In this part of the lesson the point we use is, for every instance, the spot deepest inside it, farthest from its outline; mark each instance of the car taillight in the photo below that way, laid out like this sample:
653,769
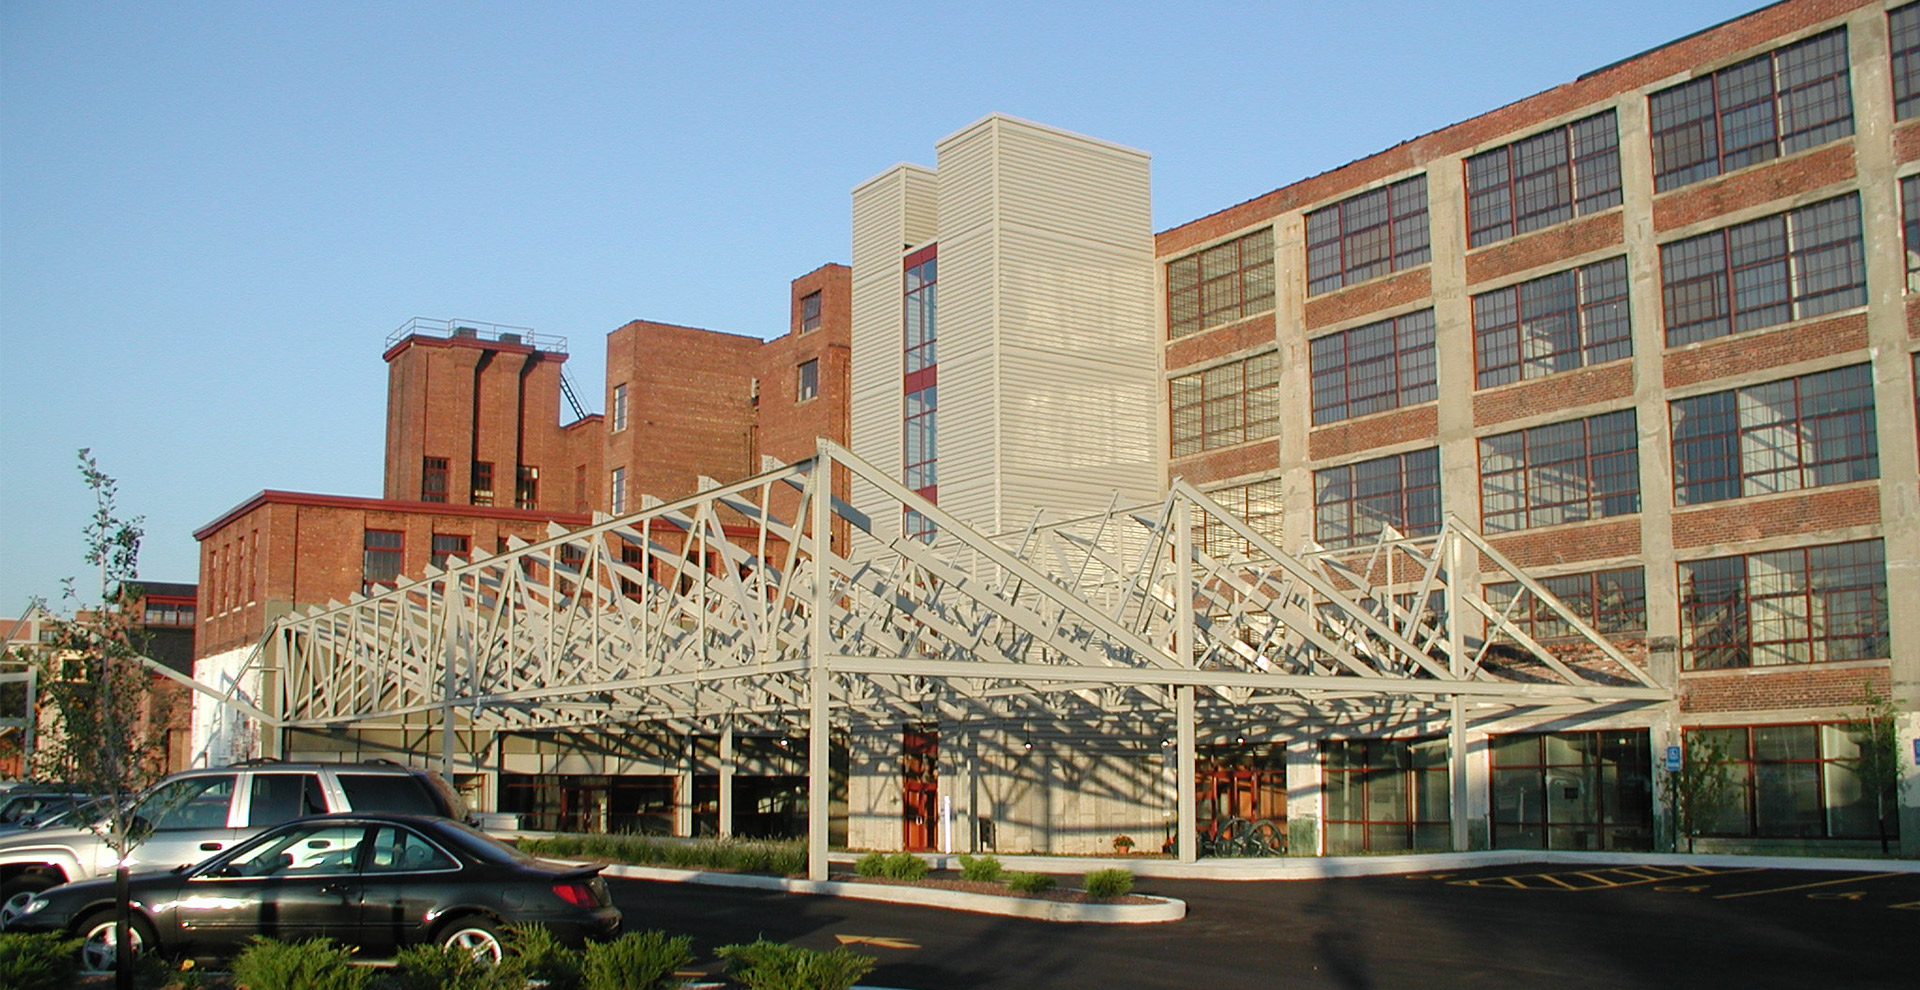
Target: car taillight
575,892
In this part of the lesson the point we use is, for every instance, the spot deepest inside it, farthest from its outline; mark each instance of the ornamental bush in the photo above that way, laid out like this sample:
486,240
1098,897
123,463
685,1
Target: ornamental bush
535,957
906,866
986,869
1030,883
1103,884
315,964
873,864
765,965
637,961
38,962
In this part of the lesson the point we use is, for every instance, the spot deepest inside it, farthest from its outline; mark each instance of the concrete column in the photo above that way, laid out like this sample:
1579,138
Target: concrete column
683,789
1303,797
726,782
819,782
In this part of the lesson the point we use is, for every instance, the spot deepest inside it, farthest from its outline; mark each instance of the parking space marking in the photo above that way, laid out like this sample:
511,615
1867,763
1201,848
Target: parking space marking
1807,886
1625,876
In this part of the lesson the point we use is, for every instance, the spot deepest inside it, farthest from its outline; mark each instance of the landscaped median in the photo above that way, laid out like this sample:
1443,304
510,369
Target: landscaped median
983,887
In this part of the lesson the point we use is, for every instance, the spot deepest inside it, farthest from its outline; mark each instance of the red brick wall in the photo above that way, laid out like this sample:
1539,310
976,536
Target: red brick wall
1913,317
1573,389
1567,240
1385,293
1777,515
1351,436
784,426
1682,57
1752,187
1758,350
1607,538
1800,686
1232,462
1906,141
689,407
1209,344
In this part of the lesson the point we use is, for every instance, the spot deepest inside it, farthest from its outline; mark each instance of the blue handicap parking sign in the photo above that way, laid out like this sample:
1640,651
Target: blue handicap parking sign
1673,758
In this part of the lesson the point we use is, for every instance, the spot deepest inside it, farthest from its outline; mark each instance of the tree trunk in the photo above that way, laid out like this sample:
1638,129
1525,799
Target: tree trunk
122,931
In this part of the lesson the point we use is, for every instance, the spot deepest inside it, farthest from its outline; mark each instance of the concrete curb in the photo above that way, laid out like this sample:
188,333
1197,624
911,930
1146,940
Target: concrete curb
1319,867
1161,909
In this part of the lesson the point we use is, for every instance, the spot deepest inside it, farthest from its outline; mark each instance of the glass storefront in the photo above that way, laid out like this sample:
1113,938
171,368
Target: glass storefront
1573,790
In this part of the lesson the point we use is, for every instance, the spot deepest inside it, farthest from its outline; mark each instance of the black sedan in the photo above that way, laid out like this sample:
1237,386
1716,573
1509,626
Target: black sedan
378,881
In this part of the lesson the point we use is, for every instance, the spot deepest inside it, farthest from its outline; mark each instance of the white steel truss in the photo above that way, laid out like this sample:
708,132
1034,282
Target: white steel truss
726,611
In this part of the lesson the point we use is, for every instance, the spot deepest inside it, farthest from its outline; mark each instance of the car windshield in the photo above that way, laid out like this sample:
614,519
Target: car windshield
482,846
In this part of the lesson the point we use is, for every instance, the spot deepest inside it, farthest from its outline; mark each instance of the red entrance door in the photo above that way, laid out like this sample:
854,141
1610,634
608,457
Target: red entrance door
919,786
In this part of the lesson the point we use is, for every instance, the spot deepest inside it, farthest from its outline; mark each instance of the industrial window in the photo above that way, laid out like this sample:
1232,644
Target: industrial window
1775,104
168,614
1773,270
433,479
1373,368
1780,436
526,487
1540,181
447,545
1910,225
1805,605
1903,26
809,379
635,557
619,408
483,482
810,312
1380,231
380,560
1790,781
618,497
921,314
1220,284
1564,321
1560,473
1257,504
1573,790
922,436
1386,795
1609,601
1227,405
1353,501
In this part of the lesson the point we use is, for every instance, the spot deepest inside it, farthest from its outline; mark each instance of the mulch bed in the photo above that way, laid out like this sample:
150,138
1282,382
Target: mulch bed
995,889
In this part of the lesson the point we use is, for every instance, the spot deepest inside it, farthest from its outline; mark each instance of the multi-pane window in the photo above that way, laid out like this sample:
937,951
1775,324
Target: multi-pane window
1373,368
380,560
1564,321
1560,473
1540,181
1773,270
1573,790
1257,504
1770,105
808,378
1220,284
1780,436
1804,605
1351,502
526,487
810,312
1790,781
1903,27
446,545
483,482
1385,795
617,492
921,436
1910,224
433,479
619,408
1609,601
1223,406
1379,231
921,306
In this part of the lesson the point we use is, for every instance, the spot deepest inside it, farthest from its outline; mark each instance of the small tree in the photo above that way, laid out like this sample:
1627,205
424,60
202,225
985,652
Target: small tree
1700,790
98,692
1878,765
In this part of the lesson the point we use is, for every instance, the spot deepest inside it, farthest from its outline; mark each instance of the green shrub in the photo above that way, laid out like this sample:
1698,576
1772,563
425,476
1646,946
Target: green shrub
637,961
784,858
906,866
38,962
1030,883
535,956
315,964
766,965
1103,884
438,967
986,869
873,864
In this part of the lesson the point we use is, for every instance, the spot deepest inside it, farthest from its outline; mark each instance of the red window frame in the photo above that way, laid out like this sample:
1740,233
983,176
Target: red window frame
1374,368
383,557
1543,179
1221,284
1359,781
1751,104
1371,234
1557,323
1824,603
1557,479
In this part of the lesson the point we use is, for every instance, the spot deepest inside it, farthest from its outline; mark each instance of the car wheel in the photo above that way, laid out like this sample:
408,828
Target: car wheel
97,943
15,893
476,935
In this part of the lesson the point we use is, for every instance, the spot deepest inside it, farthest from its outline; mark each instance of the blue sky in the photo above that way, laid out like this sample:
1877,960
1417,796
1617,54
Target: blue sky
212,214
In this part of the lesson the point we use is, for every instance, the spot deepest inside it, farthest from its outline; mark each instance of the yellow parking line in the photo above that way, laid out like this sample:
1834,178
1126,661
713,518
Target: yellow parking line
1807,886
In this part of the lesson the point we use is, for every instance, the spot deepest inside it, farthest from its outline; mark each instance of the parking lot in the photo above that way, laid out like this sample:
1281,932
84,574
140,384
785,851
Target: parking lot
1613,927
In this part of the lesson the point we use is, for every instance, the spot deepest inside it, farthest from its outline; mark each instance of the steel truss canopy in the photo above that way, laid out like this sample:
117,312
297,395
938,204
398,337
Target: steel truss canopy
728,609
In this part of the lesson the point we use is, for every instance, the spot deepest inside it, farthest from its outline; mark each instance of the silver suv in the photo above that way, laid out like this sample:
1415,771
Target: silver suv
194,814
